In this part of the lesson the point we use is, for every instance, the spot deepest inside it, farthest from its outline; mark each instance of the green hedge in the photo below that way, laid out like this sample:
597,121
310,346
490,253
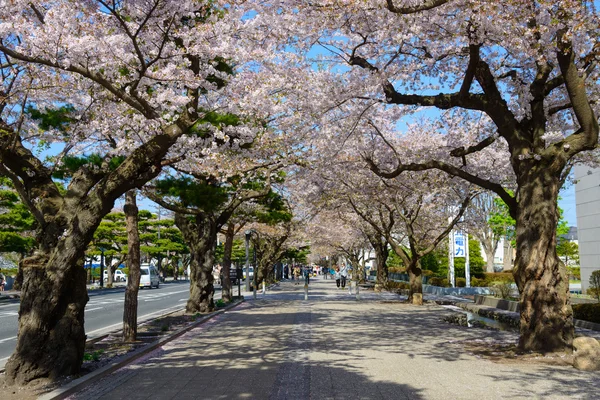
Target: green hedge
587,312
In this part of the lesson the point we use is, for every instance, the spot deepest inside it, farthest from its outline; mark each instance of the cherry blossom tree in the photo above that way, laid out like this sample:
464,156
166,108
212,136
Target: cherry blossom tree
130,85
508,84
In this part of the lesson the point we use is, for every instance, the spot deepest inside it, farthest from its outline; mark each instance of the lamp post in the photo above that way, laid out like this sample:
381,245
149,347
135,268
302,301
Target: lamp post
101,267
248,233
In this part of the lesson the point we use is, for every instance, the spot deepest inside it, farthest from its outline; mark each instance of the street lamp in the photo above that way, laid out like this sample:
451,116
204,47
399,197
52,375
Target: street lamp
248,234
101,267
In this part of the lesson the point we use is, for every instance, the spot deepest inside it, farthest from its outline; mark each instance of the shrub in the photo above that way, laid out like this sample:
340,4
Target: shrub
595,283
461,282
587,312
501,289
476,282
593,292
491,277
396,270
435,281
391,285
574,273
427,272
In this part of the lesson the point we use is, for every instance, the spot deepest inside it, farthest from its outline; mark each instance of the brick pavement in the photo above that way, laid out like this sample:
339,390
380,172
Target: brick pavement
334,347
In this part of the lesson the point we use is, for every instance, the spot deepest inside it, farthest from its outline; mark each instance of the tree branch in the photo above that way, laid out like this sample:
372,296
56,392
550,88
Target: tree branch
424,6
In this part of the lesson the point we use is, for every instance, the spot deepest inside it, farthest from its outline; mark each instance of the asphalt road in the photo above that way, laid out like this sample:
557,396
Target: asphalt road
104,311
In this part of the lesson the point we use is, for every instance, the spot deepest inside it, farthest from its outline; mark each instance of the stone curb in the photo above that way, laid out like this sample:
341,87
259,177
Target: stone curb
80,383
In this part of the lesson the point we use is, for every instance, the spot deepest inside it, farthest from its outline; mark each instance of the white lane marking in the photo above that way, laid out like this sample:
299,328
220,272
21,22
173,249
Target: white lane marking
141,318
5,358
8,313
8,339
94,309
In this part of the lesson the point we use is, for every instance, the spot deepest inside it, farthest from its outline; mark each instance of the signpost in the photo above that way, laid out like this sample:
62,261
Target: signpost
235,274
461,250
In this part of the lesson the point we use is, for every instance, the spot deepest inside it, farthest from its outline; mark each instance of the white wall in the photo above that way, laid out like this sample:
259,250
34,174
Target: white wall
587,198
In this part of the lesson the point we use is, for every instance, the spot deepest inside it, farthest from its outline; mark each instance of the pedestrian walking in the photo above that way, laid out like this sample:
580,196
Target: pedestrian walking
2,281
297,275
337,276
344,275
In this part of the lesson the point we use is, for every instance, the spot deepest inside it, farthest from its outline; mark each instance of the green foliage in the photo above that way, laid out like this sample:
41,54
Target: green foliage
567,251
207,195
93,356
476,262
274,210
430,262
595,283
297,254
394,261
461,282
437,281
574,273
17,224
71,164
58,118
587,312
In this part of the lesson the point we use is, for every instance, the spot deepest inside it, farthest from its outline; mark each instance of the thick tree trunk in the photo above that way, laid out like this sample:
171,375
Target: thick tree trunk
542,279
51,338
201,237
133,263
415,275
227,248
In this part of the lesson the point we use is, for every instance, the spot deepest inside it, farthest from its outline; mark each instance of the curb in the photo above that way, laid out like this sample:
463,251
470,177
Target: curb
80,383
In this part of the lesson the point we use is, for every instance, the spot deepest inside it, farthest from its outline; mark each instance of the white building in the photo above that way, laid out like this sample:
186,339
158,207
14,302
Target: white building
587,198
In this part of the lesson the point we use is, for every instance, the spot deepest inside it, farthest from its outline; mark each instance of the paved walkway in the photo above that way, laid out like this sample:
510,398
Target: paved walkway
334,347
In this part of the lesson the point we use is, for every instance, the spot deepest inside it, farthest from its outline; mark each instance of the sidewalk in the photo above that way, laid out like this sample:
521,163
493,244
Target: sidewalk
333,347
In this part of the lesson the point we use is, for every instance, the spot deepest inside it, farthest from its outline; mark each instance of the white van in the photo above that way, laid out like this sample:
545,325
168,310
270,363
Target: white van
149,276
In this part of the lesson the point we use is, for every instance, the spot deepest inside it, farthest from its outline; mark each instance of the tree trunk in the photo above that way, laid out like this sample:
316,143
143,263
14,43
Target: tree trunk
381,256
227,248
415,275
109,269
133,263
542,279
201,237
51,338
489,249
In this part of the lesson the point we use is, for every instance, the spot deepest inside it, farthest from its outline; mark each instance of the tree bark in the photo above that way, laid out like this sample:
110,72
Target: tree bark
489,255
380,247
130,307
227,248
542,279
51,338
415,275
109,274
200,234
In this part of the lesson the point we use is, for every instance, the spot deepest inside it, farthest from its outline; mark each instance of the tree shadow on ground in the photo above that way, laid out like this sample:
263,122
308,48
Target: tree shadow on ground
279,347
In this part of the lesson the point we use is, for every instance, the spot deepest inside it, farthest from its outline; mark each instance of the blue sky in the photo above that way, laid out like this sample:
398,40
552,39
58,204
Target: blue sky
567,203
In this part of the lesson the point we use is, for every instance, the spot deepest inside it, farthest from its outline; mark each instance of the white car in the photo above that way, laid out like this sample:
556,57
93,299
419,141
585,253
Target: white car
149,276
118,276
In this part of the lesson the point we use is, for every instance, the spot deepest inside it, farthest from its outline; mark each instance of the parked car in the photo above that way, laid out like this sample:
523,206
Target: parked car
118,276
149,276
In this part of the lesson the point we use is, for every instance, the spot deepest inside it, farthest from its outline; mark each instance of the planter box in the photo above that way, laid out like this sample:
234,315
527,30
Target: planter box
456,291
